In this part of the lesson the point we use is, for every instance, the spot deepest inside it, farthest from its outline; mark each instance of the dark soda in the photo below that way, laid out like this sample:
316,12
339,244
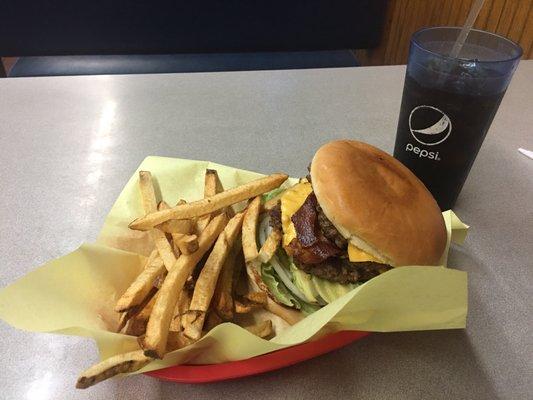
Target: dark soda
449,103
440,133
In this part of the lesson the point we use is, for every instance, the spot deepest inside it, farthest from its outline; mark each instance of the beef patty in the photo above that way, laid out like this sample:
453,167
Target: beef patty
342,270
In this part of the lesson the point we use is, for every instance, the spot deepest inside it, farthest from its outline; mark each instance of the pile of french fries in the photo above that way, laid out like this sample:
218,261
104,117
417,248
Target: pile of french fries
194,278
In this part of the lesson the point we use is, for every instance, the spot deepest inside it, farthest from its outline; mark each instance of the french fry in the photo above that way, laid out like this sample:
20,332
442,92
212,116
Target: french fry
165,226
133,311
257,297
223,298
146,187
181,309
141,286
187,244
211,184
176,248
182,241
245,308
122,321
177,340
215,186
215,203
210,189
149,261
150,205
155,340
205,285
291,316
249,245
262,329
270,246
163,246
250,302
249,230
137,324
174,225
200,223
121,363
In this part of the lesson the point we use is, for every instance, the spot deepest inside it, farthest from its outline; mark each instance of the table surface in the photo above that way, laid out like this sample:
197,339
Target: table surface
70,143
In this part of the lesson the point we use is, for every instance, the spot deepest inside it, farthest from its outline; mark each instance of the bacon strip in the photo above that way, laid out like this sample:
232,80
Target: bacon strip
310,245
305,221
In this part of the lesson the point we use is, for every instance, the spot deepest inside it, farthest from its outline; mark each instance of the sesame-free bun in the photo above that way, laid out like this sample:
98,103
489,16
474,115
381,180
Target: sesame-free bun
378,204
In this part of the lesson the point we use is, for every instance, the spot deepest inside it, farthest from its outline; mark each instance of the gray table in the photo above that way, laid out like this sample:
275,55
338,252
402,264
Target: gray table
69,144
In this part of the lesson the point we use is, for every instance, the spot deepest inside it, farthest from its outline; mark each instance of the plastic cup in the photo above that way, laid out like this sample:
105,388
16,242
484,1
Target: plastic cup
449,103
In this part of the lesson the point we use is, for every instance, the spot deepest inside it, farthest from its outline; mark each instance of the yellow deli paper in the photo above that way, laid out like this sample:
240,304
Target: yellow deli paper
75,294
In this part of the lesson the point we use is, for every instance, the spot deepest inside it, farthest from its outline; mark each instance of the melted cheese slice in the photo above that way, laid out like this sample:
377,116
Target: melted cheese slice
355,254
291,201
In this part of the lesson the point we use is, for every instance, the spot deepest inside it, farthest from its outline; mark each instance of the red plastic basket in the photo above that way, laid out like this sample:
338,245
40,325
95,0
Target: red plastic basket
257,365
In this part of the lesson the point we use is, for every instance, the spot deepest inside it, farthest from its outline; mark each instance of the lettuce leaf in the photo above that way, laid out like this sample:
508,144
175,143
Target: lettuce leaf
308,308
281,293
272,194
277,288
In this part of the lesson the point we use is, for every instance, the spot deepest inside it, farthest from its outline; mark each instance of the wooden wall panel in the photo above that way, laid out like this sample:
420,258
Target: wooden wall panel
510,18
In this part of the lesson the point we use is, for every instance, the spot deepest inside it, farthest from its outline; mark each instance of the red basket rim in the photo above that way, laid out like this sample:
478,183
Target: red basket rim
256,365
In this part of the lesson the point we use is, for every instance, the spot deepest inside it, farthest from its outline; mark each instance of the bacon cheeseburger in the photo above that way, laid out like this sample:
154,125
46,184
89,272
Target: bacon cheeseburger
359,213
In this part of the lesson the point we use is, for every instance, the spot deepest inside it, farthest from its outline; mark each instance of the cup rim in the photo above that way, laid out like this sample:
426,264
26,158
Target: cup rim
414,41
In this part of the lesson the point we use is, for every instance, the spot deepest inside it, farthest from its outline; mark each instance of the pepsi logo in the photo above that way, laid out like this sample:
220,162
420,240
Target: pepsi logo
429,125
